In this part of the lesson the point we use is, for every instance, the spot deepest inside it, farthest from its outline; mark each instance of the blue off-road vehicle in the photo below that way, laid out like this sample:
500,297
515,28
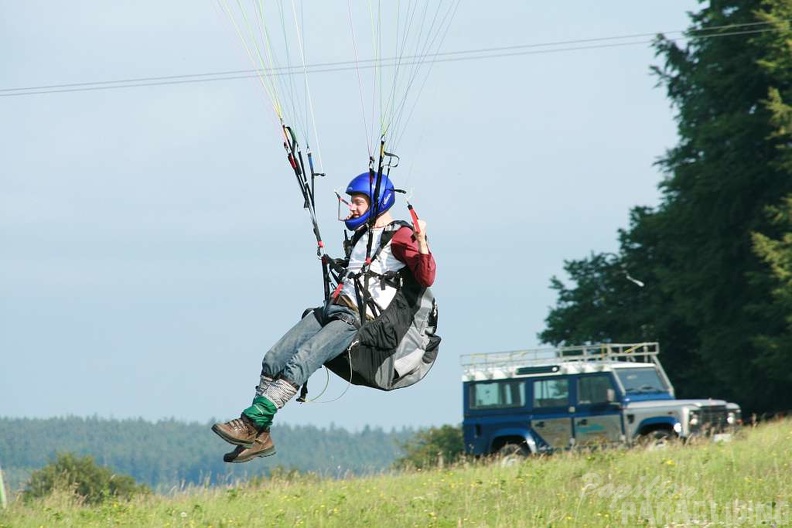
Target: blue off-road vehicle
538,401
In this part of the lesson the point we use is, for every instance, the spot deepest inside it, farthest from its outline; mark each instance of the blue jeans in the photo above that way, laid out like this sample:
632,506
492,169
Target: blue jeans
319,337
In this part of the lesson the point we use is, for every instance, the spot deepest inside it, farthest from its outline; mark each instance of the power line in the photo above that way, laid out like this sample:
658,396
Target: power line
451,56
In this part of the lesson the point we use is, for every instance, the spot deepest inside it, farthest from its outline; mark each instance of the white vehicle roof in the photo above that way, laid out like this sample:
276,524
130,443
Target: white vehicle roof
567,360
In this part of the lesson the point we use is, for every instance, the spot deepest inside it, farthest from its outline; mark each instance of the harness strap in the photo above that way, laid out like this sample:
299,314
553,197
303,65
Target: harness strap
295,158
303,392
363,299
390,278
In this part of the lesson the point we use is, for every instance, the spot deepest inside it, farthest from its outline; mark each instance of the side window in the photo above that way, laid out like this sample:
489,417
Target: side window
593,390
550,393
497,394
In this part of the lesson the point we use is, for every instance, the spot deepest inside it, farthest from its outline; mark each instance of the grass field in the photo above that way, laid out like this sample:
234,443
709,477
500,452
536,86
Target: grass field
745,482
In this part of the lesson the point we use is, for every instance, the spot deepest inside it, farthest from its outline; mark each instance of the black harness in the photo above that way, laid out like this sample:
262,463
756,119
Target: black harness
361,279
399,346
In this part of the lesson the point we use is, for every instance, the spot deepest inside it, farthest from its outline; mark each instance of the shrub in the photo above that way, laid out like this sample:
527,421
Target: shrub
92,484
432,447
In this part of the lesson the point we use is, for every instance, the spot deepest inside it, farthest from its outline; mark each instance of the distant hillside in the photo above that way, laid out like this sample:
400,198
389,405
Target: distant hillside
168,454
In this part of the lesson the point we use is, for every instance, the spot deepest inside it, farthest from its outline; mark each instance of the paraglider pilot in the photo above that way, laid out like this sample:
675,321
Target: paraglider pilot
326,332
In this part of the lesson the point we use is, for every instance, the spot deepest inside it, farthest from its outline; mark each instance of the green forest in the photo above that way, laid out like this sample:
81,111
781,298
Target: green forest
171,454
713,259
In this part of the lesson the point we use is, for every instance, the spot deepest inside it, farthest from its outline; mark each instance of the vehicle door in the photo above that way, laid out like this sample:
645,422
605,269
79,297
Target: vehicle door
598,419
493,408
551,419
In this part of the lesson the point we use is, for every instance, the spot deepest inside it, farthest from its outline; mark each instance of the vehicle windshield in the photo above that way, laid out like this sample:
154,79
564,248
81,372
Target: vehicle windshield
641,380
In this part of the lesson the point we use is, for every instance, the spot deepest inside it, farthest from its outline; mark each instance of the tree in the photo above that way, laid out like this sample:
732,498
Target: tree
92,484
777,254
708,293
432,447
775,246
604,303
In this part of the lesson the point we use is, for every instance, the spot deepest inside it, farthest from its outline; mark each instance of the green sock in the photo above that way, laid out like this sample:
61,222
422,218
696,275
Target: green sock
261,412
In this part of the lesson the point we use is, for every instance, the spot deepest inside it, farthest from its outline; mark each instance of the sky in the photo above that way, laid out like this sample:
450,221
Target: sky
153,243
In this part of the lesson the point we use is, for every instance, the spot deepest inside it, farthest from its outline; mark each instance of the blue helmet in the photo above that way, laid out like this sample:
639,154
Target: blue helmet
365,184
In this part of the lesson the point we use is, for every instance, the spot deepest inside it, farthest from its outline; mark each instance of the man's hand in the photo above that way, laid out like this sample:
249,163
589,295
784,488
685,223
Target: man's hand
419,232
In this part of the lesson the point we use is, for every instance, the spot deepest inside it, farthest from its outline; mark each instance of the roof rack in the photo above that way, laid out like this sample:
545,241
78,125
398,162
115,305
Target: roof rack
489,362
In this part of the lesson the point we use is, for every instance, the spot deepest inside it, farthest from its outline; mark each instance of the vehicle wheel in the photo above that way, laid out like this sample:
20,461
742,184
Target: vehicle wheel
513,454
657,439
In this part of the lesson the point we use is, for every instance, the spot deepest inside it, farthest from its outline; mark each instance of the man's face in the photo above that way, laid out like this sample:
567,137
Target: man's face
358,205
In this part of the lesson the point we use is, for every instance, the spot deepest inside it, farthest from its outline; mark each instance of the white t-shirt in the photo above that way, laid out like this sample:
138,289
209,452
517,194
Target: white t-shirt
384,262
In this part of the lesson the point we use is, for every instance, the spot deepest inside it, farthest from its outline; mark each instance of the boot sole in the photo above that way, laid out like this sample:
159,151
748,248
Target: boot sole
231,459
230,439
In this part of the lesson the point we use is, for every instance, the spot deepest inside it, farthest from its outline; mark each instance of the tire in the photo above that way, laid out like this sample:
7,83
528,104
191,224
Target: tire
513,454
657,439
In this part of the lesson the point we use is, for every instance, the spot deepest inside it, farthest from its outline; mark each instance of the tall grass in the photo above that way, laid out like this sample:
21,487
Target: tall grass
746,482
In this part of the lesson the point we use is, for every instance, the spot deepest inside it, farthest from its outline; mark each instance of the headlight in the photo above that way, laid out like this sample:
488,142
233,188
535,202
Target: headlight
731,418
694,418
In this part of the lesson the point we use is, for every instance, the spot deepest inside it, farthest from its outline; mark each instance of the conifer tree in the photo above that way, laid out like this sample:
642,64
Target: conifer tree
777,253
708,293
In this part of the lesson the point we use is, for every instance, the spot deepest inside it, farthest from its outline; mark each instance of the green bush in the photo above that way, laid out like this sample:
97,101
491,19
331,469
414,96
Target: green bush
432,447
81,476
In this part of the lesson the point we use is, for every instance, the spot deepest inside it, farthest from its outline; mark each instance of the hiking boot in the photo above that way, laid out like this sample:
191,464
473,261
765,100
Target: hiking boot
239,431
263,446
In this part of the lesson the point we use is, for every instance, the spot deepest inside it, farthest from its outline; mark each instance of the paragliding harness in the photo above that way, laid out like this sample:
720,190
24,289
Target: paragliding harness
399,345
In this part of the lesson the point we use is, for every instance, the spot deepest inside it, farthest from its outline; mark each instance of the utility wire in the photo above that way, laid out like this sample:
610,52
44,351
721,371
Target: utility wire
451,56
